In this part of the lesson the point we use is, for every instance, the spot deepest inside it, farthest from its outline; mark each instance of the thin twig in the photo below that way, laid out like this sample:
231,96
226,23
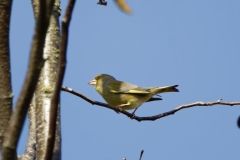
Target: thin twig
102,2
141,155
61,70
238,122
150,118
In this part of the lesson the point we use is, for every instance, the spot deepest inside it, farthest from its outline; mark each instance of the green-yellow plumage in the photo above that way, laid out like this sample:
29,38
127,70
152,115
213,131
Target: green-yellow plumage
125,95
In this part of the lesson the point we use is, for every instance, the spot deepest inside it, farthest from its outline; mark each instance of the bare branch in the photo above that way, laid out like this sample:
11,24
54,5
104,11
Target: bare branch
238,122
46,83
102,2
151,118
30,152
36,62
141,155
6,95
61,70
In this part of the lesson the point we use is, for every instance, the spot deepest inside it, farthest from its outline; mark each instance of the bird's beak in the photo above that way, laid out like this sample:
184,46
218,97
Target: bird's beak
93,82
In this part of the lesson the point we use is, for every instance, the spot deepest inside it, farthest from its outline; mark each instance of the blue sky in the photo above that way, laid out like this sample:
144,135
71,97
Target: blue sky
194,44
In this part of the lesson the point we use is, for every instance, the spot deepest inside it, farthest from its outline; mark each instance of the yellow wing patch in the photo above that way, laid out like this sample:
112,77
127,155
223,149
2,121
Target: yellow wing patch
135,91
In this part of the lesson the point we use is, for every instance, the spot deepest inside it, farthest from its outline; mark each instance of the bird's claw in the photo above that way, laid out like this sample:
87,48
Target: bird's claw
119,109
132,116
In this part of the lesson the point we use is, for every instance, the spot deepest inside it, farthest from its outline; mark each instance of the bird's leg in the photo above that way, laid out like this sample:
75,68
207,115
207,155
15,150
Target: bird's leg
120,107
133,113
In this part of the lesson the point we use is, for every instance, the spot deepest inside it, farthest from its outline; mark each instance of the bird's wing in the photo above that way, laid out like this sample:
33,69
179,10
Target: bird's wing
124,87
154,99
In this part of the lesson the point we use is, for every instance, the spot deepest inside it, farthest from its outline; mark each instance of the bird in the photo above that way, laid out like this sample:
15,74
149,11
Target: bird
124,95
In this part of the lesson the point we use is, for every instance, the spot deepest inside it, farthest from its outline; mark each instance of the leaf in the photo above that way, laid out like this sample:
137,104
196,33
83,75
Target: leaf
123,6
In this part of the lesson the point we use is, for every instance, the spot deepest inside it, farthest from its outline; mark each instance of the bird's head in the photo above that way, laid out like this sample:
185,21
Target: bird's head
100,80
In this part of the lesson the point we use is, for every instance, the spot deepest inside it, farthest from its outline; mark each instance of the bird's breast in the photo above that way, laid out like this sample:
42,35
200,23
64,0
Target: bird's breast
133,100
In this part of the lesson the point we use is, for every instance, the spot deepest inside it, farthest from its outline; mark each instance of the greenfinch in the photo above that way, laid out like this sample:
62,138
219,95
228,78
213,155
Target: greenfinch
124,95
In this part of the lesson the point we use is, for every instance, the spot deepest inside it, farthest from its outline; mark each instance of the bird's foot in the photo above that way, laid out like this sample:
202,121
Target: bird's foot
119,108
132,116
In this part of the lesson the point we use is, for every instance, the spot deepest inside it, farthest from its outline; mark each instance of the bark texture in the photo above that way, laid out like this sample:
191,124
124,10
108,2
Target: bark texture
36,62
6,94
45,87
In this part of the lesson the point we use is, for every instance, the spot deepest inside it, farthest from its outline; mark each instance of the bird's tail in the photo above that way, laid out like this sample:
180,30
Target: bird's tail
164,89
